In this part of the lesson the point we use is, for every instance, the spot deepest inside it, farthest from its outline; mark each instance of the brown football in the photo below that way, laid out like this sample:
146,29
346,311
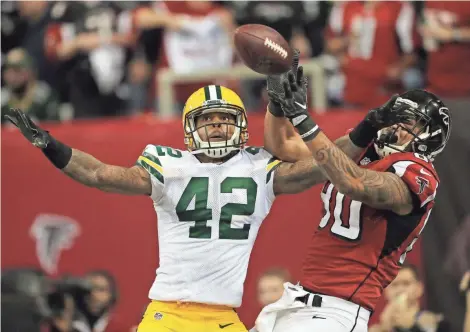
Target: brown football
262,49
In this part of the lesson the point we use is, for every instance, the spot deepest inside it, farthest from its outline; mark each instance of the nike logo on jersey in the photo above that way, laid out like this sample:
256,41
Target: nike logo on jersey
301,105
318,317
422,171
225,325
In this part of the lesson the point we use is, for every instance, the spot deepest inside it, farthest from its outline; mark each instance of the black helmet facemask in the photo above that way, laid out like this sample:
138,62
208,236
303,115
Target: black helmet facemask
418,127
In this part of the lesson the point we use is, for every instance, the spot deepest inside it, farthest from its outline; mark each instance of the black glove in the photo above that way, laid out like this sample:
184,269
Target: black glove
378,118
274,84
58,153
387,115
294,104
37,136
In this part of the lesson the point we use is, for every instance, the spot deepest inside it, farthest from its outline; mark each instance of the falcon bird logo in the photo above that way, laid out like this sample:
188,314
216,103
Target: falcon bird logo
53,233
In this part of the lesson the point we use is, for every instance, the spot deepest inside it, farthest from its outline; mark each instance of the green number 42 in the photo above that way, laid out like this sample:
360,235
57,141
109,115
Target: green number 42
198,190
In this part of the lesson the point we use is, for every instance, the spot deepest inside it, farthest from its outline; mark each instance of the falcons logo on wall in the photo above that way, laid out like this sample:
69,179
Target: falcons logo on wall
53,233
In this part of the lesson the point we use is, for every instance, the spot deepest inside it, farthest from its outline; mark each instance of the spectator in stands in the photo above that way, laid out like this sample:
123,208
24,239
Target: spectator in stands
13,26
403,312
95,47
94,311
286,17
23,90
23,307
271,285
465,288
37,15
139,73
197,37
446,38
363,36
315,19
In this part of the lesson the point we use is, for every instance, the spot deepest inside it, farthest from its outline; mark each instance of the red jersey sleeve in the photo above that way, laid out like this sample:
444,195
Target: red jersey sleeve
419,176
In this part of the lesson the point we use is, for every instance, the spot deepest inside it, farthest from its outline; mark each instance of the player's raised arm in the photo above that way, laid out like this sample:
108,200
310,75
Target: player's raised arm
82,166
298,176
377,189
382,190
280,137
301,171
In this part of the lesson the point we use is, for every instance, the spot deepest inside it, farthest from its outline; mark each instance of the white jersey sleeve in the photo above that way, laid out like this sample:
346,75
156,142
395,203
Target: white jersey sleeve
151,162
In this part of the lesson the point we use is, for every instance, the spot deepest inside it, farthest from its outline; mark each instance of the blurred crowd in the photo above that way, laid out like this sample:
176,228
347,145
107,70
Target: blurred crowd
81,304
34,302
84,59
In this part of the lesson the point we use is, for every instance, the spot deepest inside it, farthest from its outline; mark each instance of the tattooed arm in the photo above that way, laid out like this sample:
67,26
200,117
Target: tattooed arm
292,178
381,190
91,172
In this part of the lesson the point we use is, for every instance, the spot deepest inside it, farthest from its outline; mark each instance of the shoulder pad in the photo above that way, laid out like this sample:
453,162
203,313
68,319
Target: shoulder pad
419,176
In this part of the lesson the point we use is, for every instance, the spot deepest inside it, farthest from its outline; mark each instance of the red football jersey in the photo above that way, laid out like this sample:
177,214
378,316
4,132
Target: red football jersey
448,65
357,250
377,36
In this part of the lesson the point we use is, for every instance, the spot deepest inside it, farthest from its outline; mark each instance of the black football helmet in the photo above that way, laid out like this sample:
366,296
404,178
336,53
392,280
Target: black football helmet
430,125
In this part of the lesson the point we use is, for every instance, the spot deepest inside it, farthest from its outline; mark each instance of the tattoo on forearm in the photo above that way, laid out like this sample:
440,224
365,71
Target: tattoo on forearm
348,147
302,175
378,189
292,178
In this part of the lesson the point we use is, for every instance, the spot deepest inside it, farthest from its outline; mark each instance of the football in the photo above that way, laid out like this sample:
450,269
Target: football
262,49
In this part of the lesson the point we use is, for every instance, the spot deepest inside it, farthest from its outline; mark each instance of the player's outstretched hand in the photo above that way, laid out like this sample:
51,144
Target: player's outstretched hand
33,133
387,114
274,85
293,100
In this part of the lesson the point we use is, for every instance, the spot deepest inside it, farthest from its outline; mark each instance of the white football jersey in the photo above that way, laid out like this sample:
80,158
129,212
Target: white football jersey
208,219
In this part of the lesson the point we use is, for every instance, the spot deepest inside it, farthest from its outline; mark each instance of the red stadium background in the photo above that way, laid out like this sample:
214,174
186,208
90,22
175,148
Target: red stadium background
119,233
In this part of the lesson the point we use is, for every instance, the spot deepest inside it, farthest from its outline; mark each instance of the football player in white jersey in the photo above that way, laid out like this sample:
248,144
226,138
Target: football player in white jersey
210,201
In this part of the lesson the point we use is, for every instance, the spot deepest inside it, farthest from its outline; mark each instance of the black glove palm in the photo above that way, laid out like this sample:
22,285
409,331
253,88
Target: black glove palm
274,85
37,136
293,100
387,115
378,118
293,103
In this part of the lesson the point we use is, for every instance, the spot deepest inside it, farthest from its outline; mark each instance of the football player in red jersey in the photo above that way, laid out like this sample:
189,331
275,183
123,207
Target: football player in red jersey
374,208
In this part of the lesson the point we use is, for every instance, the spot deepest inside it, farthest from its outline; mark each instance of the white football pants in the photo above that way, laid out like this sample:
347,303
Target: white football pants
290,315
